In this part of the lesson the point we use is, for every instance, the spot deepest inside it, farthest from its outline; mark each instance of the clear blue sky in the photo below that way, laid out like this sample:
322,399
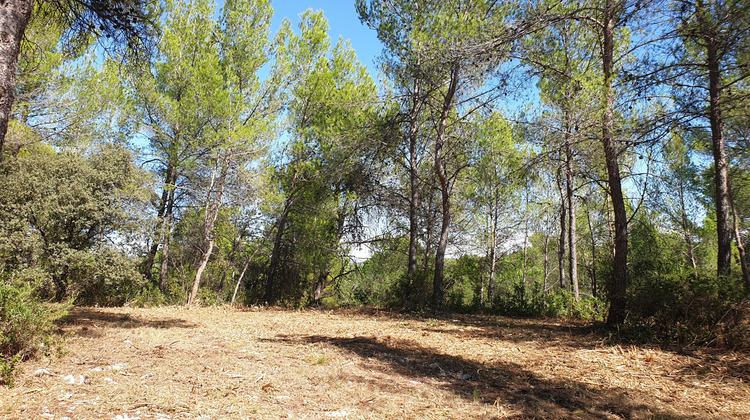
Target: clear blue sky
343,21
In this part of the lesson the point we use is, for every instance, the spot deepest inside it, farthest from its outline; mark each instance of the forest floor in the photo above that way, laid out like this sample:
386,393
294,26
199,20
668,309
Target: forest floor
190,363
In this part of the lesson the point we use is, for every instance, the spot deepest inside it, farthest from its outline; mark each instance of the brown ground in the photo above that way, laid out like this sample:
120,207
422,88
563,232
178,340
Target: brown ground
181,363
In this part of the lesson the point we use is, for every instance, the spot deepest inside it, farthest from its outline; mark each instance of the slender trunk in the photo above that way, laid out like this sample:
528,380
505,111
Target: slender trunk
320,284
686,231
205,255
572,229
160,215
149,266
546,265
723,225
325,273
562,239
239,280
493,256
525,243
14,16
244,269
617,301
212,209
594,290
273,265
166,232
414,190
740,245
437,283
428,238
164,272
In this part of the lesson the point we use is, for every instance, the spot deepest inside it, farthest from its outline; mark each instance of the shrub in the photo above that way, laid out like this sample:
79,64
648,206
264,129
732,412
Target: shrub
25,326
105,277
531,302
7,369
151,295
520,302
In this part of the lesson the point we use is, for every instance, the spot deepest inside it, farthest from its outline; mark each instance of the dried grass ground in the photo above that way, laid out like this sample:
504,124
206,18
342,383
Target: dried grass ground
188,363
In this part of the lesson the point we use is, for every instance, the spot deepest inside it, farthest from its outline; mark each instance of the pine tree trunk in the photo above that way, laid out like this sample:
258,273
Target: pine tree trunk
411,272
740,246
167,232
546,265
572,229
525,244
161,216
493,256
594,291
239,280
205,255
14,16
617,298
164,272
274,264
723,225
686,233
437,283
429,226
563,236
213,206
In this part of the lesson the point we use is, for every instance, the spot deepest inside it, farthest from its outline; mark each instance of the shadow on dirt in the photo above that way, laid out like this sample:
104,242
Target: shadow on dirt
501,383
574,333
88,318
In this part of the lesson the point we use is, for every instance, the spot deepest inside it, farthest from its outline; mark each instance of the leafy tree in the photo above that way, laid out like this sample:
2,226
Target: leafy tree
561,56
442,55
329,161
68,220
123,23
712,61
210,116
495,176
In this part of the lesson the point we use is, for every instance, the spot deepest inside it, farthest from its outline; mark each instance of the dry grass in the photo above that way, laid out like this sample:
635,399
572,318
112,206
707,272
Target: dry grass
181,363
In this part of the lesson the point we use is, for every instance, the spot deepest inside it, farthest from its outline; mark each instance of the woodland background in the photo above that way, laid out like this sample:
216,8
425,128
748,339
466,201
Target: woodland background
524,158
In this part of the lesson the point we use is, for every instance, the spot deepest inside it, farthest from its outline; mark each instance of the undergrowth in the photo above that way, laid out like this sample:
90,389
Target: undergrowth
26,324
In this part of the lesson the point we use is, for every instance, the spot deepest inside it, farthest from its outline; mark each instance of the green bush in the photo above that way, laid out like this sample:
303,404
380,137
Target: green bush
531,302
105,277
562,304
8,369
670,301
25,326
520,302
151,295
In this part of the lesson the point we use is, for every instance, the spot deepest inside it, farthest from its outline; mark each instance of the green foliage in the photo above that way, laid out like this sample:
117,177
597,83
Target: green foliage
62,213
26,322
378,281
670,300
464,282
329,166
562,304
555,304
519,302
102,277
151,295
7,369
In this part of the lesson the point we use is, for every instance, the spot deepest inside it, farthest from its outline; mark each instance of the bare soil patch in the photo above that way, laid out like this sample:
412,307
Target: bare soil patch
189,363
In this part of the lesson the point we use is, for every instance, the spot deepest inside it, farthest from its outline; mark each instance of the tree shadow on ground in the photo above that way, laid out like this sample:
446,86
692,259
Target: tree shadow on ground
500,383
87,318
574,333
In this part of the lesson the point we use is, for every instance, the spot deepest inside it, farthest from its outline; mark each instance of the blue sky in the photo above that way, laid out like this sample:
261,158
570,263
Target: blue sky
343,21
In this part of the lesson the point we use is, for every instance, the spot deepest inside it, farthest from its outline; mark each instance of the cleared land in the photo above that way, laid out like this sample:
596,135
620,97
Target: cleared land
188,363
